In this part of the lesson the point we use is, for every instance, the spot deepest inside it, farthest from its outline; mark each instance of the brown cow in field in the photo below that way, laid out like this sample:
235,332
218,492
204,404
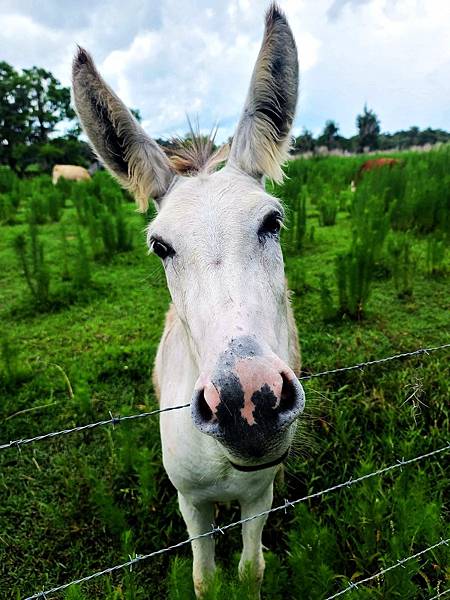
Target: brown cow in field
376,163
72,172
370,165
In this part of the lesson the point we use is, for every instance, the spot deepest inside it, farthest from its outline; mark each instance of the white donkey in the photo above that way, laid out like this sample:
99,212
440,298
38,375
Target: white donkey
230,342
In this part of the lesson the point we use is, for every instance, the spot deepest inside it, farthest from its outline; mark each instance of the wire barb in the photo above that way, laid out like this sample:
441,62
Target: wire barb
286,503
115,420
215,529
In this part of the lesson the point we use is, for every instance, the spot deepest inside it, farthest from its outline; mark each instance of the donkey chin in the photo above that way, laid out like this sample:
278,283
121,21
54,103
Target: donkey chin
249,405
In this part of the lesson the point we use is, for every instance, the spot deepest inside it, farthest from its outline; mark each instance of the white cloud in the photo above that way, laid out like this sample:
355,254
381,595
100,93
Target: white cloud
170,58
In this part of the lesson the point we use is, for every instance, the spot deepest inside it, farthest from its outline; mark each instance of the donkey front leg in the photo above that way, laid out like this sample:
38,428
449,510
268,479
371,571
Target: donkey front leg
199,518
252,560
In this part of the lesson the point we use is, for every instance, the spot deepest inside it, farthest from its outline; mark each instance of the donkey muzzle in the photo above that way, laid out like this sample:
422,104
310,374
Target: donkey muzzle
248,403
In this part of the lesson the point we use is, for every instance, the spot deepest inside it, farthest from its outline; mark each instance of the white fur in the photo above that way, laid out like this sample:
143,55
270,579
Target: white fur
223,282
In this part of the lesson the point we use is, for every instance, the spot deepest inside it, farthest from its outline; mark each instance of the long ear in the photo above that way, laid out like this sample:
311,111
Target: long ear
261,140
133,158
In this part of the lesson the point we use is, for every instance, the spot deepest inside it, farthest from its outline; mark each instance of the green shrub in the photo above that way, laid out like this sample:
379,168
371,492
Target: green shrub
293,235
345,199
297,277
417,191
8,210
9,353
124,236
54,205
95,240
66,189
65,275
81,277
179,580
74,593
111,197
354,278
328,207
8,179
313,555
402,264
326,300
355,269
86,203
108,235
37,209
34,269
435,257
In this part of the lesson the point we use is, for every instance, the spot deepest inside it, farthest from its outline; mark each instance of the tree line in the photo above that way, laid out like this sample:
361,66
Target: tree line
368,137
34,105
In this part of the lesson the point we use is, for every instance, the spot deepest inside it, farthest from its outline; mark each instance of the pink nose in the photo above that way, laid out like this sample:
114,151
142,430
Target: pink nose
255,392
249,401
256,376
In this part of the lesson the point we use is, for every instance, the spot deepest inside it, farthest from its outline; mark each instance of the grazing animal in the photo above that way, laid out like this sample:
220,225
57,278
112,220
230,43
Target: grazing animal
376,163
230,344
370,165
72,172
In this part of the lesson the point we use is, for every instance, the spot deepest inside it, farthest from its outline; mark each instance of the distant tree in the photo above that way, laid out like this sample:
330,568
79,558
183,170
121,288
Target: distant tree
368,126
433,136
414,136
48,102
329,137
304,142
15,126
75,131
32,103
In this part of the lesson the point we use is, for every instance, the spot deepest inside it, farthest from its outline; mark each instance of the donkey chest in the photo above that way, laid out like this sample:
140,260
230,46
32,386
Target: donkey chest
199,470
202,484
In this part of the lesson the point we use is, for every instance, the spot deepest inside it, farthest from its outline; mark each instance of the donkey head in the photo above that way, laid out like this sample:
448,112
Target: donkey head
217,234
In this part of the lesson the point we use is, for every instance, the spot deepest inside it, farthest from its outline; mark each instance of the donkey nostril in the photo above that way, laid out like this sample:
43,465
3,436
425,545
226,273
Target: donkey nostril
203,408
288,399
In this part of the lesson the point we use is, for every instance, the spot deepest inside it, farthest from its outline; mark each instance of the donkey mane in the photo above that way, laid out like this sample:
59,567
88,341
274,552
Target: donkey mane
197,153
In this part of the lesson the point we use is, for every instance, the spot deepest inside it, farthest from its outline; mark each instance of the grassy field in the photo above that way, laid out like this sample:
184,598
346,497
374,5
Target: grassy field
79,339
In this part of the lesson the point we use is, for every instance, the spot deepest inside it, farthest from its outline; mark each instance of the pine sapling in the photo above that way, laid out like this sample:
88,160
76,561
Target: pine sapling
65,275
81,270
326,300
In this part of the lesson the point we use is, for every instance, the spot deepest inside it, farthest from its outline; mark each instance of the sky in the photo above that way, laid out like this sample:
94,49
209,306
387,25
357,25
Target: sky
169,58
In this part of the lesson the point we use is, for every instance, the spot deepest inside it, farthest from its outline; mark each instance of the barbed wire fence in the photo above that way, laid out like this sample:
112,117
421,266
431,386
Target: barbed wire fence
285,506
120,419
400,563
440,595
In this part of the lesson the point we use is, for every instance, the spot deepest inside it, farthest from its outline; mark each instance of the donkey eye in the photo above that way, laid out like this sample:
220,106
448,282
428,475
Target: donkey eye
162,249
271,225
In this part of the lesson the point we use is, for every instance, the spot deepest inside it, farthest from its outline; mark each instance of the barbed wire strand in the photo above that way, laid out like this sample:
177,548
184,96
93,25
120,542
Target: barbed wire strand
354,585
112,421
444,593
377,361
117,420
287,503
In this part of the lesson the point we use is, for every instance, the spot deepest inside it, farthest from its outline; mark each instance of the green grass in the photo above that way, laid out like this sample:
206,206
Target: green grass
86,501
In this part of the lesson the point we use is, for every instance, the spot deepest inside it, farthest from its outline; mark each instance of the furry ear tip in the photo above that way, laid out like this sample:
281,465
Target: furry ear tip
274,15
81,58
